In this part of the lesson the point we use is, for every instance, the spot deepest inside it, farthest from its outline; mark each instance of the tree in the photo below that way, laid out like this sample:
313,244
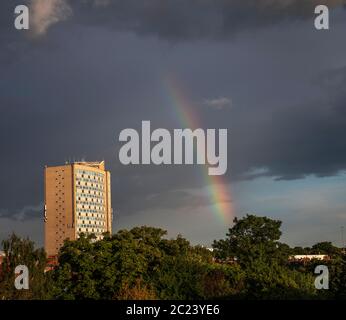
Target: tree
254,243
325,248
250,237
22,252
126,264
140,264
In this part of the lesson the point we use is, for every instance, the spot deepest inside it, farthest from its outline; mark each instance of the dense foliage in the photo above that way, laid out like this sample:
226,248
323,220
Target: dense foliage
141,263
21,252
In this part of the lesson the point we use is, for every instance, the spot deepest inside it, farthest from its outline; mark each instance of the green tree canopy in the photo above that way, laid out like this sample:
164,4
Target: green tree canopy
254,243
249,238
22,252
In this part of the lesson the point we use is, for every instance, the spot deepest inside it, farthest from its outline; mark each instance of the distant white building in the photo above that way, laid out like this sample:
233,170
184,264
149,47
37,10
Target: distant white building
310,257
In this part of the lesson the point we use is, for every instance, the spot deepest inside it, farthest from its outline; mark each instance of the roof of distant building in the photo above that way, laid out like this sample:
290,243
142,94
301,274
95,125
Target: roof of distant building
310,256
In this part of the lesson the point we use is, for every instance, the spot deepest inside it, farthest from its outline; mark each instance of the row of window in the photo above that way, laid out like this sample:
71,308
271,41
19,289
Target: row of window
98,215
89,178
97,185
92,218
89,229
93,173
93,198
88,195
89,174
98,180
88,203
89,188
94,195
79,210
90,206
92,223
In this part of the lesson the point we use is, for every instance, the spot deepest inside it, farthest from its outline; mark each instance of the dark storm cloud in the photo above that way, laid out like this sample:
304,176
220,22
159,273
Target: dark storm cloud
193,19
287,143
66,94
301,140
24,214
163,200
9,38
294,141
170,19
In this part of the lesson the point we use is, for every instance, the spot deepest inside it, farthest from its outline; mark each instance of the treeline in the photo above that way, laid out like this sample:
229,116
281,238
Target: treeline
250,263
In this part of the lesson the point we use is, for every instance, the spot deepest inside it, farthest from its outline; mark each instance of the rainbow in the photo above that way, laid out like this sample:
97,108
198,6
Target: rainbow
217,188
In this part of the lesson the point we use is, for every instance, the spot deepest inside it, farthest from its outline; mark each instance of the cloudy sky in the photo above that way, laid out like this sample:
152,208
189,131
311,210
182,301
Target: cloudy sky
87,69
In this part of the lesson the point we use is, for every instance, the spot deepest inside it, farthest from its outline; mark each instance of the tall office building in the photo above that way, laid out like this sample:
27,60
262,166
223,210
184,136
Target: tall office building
77,200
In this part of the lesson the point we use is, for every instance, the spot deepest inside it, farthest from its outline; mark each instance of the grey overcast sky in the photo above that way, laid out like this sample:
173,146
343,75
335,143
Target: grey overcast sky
87,69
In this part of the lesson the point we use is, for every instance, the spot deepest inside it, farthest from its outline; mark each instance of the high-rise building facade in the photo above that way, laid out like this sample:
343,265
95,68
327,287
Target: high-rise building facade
77,200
